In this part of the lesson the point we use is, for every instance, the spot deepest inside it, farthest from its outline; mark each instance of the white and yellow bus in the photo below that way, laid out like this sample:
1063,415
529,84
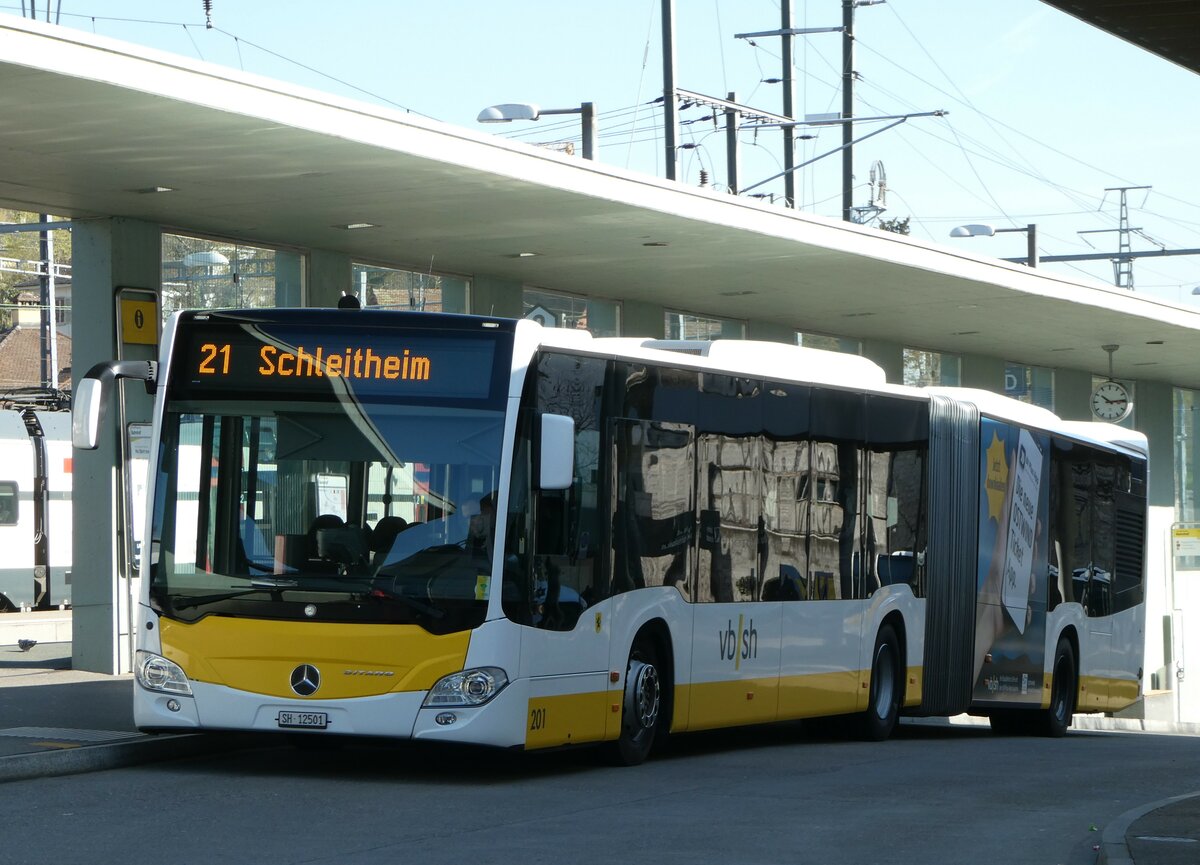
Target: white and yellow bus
484,531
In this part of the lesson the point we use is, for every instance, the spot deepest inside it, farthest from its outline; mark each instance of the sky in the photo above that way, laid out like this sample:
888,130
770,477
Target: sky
1044,112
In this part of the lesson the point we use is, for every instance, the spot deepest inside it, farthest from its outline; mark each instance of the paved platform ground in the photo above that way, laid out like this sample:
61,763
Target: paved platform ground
45,705
58,721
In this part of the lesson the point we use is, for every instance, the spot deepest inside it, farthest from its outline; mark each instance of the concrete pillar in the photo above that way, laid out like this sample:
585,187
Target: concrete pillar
330,274
497,297
289,278
454,294
1154,415
106,254
985,373
1073,394
889,355
771,332
643,319
1153,406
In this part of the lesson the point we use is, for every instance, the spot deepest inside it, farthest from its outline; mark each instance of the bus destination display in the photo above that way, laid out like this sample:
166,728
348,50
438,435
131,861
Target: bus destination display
385,365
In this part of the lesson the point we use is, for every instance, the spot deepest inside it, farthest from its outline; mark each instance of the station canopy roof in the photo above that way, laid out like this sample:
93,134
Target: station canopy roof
1168,28
91,124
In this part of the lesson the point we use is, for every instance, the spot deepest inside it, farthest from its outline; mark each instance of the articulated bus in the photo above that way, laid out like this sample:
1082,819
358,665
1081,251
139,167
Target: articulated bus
477,530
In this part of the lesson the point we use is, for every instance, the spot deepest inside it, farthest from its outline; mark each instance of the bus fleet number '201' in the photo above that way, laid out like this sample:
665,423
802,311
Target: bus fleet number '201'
537,719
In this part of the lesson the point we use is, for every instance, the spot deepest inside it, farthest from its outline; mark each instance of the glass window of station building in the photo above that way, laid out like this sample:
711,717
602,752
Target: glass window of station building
381,287
828,343
555,309
924,368
685,325
206,273
1185,408
1031,384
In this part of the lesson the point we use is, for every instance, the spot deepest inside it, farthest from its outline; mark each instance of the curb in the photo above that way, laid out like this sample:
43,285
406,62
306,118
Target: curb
95,758
1135,725
1113,849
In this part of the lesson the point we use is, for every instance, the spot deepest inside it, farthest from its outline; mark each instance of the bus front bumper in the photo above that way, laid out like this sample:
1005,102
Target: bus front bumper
499,722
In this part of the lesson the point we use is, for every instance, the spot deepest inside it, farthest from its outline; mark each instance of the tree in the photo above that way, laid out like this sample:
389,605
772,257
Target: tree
897,225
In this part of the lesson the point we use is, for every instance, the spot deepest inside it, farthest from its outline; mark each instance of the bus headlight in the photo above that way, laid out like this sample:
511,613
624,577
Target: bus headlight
468,688
156,673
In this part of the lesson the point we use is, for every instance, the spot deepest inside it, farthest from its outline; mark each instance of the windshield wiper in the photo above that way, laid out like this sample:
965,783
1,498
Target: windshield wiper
258,585
274,582
203,600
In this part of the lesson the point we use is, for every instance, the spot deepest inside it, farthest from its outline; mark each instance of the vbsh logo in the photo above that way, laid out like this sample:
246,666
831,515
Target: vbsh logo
740,645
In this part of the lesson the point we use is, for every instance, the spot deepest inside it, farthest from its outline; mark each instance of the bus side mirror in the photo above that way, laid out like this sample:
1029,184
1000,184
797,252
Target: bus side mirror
557,468
92,391
87,411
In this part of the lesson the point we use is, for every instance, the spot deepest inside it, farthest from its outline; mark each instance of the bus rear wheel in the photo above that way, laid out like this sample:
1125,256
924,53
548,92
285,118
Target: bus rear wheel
883,706
642,707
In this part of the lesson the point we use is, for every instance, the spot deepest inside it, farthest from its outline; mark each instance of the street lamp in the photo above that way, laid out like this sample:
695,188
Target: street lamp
977,230
510,111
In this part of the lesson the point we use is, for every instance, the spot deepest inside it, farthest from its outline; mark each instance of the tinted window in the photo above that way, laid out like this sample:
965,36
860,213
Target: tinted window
732,536
654,522
551,581
898,446
835,540
8,503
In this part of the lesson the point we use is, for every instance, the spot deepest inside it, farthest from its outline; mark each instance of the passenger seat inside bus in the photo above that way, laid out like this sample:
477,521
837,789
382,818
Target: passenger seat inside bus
382,537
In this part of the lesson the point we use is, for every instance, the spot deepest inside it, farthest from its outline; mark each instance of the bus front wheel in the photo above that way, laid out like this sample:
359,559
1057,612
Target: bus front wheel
1063,687
642,706
883,706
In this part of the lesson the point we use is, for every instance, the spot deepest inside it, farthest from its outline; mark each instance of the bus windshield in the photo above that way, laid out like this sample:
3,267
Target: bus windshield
323,501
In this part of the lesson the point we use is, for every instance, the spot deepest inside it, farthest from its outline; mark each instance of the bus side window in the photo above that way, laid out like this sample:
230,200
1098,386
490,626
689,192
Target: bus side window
733,548
896,490
837,536
786,492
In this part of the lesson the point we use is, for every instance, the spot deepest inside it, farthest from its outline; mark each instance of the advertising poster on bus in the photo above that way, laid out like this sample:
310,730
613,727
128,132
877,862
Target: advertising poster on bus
1010,622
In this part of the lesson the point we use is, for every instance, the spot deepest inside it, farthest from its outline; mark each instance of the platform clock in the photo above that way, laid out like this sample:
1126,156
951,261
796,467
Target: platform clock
1111,401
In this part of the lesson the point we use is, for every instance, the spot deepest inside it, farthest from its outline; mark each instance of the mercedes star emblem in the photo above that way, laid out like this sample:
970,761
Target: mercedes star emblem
305,680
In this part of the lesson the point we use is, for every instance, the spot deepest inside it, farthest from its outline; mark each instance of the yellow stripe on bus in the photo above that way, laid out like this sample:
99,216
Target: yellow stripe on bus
914,690
354,660
574,718
1122,693
756,701
728,704
1101,694
569,719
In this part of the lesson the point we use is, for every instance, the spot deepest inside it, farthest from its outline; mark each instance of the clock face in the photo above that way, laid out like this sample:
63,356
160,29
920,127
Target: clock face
1110,401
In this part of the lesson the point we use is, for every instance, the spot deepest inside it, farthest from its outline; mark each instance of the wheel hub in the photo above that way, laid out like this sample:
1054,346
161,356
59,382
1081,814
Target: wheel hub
644,695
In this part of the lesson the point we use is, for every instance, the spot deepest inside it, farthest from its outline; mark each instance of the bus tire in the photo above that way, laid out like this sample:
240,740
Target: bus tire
1054,721
642,706
886,692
